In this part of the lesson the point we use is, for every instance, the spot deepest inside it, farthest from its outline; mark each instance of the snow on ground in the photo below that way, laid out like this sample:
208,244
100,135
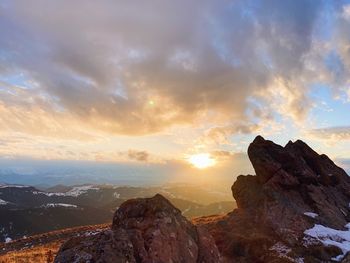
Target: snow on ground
3,202
7,240
186,210
78,190
93,233
59,205
311,214
283,251
75,191
330,237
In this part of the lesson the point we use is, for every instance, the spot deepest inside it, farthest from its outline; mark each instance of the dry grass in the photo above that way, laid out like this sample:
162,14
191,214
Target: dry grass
41,248
39,254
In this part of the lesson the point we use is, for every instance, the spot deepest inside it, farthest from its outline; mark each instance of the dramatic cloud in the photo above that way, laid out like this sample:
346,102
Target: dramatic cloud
128,67
94,79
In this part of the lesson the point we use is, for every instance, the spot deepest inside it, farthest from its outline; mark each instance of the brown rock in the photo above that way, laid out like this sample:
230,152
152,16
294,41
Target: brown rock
145,230
107,246
289,181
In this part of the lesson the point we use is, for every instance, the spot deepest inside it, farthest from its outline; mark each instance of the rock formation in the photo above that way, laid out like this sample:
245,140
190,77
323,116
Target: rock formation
295,209
144,230
293,190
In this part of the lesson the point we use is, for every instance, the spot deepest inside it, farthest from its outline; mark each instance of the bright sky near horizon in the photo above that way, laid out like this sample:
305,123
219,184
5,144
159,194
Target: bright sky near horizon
162,81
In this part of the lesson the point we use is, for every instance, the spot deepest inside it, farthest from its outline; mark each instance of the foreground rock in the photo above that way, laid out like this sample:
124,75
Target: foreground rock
295,209
144,230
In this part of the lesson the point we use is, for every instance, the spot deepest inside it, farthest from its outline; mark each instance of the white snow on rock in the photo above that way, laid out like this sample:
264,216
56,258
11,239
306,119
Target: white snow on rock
3,202
311,214
116,195
8,239
330,237
75,191
59,205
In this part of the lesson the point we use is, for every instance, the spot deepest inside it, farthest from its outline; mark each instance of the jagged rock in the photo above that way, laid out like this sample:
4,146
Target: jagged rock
289,182
144,230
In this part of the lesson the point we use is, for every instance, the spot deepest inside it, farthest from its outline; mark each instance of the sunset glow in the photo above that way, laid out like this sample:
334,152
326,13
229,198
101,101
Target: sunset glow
147,83
202,160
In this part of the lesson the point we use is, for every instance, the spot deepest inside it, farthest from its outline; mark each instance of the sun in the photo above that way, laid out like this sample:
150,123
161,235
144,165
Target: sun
201,160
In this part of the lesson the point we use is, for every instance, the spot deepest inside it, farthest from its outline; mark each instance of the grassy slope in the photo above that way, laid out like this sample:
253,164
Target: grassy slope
41,248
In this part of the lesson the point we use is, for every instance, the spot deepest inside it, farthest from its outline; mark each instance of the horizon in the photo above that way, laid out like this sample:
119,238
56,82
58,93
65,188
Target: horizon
31,172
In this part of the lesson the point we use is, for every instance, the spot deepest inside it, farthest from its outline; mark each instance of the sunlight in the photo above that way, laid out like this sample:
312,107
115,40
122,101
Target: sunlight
201,160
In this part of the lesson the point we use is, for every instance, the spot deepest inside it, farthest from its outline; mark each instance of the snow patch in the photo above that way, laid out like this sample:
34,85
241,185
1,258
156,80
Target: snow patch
186,210
3,202
311,214
93,232
8,239
75,191
330,237
59,205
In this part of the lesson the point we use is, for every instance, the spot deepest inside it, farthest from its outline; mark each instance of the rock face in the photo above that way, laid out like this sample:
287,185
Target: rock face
144,230
294,189
295,209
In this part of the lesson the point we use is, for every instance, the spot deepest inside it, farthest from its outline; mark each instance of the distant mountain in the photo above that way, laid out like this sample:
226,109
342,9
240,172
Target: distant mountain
26,210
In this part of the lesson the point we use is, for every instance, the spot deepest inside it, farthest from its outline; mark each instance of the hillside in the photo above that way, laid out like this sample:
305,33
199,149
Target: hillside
43,247
26,211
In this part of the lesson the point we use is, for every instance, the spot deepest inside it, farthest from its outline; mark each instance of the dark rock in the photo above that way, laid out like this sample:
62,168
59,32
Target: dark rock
144,230
289,181
107,246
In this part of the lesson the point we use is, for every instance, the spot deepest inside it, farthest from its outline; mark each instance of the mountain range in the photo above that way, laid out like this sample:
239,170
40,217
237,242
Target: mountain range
26,210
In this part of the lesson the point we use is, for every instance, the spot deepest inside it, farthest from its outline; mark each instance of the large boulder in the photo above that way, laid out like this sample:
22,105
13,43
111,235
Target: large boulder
144,230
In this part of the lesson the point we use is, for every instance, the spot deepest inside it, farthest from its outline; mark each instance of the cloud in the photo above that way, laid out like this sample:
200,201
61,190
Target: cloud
141,156
332,134
221,135
344,163
134,68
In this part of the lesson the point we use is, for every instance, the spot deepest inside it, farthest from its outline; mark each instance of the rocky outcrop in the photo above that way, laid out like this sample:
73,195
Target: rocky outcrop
294,189
295,209
144,230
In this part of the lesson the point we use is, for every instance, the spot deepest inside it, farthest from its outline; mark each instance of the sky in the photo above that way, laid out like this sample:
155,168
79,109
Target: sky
152,83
